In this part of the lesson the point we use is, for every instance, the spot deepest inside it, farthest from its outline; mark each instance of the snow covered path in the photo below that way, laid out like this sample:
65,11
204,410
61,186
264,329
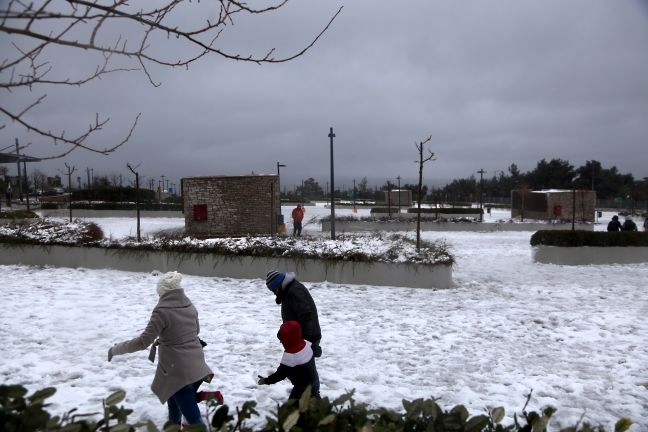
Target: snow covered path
577,335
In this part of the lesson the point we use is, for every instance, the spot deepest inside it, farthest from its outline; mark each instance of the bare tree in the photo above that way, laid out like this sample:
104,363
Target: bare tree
124,37
421,161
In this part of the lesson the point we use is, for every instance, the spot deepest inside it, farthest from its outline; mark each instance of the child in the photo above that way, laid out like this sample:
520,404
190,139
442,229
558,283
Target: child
297,363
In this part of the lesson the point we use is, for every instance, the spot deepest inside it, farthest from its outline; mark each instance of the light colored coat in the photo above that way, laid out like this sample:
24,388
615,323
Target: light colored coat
174,321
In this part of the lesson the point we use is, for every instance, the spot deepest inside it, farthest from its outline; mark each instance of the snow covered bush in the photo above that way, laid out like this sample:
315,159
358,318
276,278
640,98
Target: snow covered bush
370,247
48,232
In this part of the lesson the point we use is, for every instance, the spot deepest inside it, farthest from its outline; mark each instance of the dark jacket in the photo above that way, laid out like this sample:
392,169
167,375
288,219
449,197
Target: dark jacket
300,375
629,225
298,305
614,225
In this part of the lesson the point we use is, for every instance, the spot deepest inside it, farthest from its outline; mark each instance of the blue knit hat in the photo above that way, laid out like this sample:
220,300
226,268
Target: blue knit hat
273,279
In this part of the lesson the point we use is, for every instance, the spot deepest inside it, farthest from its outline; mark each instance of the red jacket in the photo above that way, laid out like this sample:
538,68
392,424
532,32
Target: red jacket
298,214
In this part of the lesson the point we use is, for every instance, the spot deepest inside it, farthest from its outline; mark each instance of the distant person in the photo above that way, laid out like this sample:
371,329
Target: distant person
297,217
297,363
629,224
614,225
645,224
181,367
8,194
297,305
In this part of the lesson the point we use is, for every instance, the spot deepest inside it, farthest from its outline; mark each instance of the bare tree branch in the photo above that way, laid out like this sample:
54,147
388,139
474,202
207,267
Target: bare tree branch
88,26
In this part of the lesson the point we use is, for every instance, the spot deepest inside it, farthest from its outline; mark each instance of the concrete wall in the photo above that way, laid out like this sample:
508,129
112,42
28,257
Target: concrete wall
235,205
589,255
362,226
239,267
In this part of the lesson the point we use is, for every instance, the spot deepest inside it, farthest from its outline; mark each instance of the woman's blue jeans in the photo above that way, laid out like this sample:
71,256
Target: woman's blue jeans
183,403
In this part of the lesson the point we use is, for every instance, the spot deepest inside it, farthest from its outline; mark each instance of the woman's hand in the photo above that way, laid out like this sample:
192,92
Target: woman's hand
261,381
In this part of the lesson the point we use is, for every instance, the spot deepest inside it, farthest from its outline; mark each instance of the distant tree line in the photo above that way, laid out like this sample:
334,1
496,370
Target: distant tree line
608,183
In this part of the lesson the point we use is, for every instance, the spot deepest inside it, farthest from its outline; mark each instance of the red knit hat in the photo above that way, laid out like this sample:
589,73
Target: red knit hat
290,335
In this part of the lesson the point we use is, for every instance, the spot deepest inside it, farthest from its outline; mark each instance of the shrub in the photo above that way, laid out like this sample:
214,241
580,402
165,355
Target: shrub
18,214
446,210
20,413
91,232
394,209
49,206
126,206
578,238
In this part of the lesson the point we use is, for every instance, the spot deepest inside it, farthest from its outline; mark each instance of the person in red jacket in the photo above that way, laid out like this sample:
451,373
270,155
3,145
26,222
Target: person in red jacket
297,217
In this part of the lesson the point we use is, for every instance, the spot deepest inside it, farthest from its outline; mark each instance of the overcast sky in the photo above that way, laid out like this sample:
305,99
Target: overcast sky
493,82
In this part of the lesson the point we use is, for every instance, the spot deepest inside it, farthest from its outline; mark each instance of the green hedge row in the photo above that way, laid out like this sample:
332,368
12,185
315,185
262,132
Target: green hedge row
116,206
447,210
589,238
19,412
18,214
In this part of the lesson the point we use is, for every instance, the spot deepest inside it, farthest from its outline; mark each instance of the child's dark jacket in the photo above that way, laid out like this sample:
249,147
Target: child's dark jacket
298,367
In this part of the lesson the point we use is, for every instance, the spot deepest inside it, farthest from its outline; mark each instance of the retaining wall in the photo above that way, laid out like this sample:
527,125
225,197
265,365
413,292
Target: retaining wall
589,255
409,216
353,226
239,267
93,214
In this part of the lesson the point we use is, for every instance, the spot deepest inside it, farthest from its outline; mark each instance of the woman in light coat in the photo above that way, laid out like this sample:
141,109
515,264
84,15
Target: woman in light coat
181,367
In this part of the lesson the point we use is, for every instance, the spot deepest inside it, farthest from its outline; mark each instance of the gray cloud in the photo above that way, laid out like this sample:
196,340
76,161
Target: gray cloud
494,83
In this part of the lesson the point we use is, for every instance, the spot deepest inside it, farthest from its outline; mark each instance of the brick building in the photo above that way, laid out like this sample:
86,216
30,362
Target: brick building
554,204
395,197
231,205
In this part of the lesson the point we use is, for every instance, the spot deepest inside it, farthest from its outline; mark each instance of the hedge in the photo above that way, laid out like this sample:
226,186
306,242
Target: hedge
18,214
579,238
19,412
126,206
446,210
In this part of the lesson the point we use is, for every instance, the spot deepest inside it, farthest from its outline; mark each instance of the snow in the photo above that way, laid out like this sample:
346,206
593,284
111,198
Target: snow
576,335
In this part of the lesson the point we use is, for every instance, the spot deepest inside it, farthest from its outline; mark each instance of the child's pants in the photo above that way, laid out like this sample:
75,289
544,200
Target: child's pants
183,403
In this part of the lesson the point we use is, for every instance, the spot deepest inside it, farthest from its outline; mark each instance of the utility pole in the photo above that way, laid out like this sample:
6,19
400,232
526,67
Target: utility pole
69,172
399,194
481,173
139,238
89,194
26,183
354,197
331,135
19,176
389,198
573,205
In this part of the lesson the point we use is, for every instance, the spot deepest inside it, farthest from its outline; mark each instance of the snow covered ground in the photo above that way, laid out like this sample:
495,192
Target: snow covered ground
576,335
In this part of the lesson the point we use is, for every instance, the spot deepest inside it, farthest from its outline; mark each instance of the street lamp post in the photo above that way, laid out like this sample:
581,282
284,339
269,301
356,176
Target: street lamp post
331,135
481,173
399,194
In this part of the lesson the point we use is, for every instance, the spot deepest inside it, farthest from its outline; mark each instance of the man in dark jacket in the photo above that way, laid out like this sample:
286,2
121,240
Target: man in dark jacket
614,224
298,305
629,224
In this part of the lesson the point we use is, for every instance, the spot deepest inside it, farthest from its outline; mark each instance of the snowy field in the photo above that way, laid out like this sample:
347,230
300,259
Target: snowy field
576,335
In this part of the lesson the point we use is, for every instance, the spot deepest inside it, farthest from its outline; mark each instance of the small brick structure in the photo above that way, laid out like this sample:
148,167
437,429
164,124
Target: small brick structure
554,204
391,197
222,206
